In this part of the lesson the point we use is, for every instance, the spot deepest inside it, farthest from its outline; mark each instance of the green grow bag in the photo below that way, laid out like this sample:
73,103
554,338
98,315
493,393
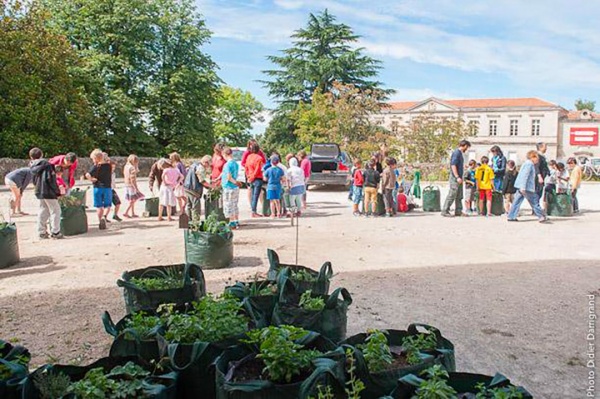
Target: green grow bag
211,251
154,386
431,199
497,204
137,298
9,246
266,206
318,281
463,383
331,322
382,383
380,210
128,343
325,372
14,362
211,207
261,306
560,204
151,208
73,220
79,194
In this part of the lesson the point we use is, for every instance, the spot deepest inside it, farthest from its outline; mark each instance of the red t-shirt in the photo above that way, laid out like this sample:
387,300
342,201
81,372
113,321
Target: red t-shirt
254,164
217,167
359,179
305,166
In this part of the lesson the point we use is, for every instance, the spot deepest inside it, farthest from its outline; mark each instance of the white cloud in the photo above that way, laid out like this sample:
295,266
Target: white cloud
419,94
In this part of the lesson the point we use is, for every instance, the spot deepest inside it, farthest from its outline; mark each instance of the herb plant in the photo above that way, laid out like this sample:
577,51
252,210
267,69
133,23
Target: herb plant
282,356
69,201
354,386
497,393
167,279
376,351
213,194
414,344
264,288
435,386
307,302
144,325
121,382
211,225
51,385
21,359
303,275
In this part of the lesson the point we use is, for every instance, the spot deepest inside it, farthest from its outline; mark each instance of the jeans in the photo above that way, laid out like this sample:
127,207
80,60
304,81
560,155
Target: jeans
531,197
498,183
575,201
351,191
49,212
256,189
454,195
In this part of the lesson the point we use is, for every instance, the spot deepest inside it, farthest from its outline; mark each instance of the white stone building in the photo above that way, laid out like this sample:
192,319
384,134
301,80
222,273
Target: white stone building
514,124
579,134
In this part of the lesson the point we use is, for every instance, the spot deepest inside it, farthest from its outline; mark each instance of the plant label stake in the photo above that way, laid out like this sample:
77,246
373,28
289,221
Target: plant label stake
184,221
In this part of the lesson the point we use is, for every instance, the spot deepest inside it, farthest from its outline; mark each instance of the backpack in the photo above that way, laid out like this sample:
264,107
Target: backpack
191,181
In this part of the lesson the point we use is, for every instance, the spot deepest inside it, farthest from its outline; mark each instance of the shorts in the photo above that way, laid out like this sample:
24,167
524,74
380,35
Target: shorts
273,195
370,195
115,198
298,190
9,183
357,194
485,194
469,193
166,196
103,197
231,197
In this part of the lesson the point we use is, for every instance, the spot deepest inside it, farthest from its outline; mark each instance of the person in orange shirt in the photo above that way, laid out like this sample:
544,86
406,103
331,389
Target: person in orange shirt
254,176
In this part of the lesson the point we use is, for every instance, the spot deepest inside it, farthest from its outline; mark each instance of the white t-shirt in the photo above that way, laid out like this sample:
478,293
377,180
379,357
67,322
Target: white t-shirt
295,176
562,184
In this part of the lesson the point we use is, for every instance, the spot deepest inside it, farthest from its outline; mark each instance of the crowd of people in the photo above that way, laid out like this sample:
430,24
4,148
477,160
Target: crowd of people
283,183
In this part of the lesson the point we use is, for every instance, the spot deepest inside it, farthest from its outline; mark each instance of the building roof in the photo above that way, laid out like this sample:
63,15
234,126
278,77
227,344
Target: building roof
479,103
581,115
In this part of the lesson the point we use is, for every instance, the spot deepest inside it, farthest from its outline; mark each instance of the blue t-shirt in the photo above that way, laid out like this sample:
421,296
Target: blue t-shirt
457,159
273,176
232,169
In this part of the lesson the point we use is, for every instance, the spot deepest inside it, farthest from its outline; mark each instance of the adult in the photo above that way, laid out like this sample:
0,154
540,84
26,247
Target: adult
575,175
541,168
65,166
47,192
498,166
218,162
175,159
248,151
526,189
455,194
254,176
156,171
17,181
198,178
306,166
377,158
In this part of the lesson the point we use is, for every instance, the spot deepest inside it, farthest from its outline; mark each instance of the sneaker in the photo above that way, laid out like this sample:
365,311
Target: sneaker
44,236
102,225
57,236
356,213
117,218
368,214
512,220
543,220
447,214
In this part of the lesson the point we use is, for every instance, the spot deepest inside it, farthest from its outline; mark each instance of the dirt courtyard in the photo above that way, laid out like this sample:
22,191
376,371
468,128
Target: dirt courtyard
512,297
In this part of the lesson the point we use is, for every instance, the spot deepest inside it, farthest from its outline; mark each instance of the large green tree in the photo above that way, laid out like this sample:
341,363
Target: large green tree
235,113
41,101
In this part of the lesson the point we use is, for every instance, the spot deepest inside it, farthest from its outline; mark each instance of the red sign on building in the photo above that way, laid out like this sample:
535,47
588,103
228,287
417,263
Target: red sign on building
584,136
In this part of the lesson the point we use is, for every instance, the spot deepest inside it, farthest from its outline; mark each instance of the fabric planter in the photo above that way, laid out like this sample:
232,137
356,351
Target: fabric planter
152,208
79,194
9,246
14,361
560,204
137,298
432,199
320,280
497,204
261,306
211,251
380,210
73,221
128,343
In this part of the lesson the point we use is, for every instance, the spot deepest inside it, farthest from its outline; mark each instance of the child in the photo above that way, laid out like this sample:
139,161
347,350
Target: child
100,176
550,183
357,187
508,185
388,183
484,175
371,181
273,176
17,181
562,178
171,178
116,201
296,183
231,188
132,191
470,188
179,191
47,191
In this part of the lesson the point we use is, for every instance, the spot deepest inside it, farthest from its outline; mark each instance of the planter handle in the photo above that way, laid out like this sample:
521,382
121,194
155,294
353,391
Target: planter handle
324,367
413,329
326,272
198,349
284,285
333,298
109,325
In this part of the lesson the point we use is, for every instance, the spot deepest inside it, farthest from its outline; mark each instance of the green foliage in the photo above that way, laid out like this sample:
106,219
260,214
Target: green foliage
376,351
144,325
354,386
434,386
307,302
235,112
282,356
414,344
51,385
213,194
264,288
211,225
427,138
42,98
497,393
21,359
167,279
121,382
279,135
212,320
303,275
69,201
581,104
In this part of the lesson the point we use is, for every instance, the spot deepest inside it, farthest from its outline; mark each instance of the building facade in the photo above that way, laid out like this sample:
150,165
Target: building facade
514,124
579,134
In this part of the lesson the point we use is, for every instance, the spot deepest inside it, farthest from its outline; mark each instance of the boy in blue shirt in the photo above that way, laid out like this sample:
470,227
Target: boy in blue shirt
273,177
231,189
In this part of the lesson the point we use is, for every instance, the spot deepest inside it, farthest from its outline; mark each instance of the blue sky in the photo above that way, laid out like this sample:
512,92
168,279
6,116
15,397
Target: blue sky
450,49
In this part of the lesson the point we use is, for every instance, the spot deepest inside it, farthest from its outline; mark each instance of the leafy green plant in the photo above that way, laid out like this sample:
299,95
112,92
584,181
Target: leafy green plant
167,279
20,359
213,194
414,344
307,302
303,275
376,351
354,386
51,385
497,393
211,320
258,288
435,386
282,356
69,201
125,381
211,225
143,325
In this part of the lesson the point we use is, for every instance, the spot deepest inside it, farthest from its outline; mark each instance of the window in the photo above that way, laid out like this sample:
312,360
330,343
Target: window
514,127
535,127
493,128
474,128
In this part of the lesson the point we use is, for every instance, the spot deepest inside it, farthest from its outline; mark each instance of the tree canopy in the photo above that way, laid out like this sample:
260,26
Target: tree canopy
580,105
235,112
